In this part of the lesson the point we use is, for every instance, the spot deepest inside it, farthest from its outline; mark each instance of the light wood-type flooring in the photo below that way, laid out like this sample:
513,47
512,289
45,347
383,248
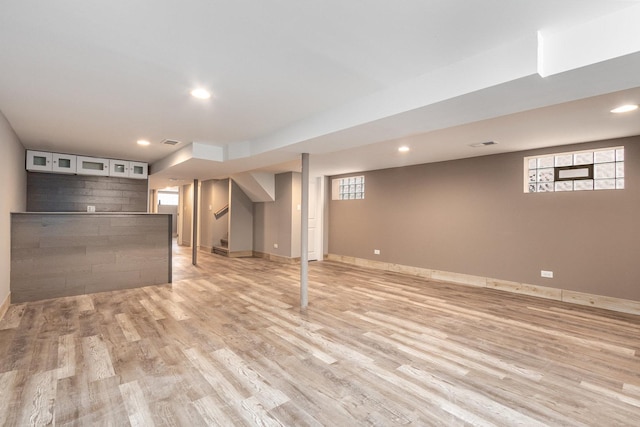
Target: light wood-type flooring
227,345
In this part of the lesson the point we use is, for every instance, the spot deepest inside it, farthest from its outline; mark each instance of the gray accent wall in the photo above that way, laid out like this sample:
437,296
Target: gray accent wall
471,216
13,199
49,192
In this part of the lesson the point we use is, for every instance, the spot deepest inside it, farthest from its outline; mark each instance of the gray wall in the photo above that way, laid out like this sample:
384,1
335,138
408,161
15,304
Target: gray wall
13,199
240,220
471,216
274,222
187,214
173,211
214,195
296,213
49,192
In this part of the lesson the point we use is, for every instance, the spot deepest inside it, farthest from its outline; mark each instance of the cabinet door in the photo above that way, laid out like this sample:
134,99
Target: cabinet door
92,166
38,161
63,163
138,170
119,168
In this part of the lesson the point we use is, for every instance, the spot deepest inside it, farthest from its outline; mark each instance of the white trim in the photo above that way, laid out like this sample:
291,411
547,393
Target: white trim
5,305
564,295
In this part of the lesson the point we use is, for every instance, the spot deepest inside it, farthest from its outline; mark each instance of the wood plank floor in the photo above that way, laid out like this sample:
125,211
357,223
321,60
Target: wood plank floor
226,345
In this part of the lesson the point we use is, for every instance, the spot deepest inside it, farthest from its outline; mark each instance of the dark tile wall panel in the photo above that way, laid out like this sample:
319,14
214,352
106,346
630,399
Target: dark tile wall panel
47,192
55,255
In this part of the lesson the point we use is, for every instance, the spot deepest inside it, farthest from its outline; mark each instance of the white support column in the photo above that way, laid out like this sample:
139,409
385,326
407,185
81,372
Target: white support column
304,234
194,222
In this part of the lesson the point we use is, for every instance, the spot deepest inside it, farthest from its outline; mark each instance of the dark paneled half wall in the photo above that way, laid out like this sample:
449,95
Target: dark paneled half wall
47,192
62,254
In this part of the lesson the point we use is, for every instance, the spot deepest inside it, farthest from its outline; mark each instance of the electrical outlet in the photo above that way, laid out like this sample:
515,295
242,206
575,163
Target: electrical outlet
275,246
547,274
91,208
376,251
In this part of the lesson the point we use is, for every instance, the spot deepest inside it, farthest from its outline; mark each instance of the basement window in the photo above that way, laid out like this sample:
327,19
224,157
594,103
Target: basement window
601,169
351,188
168,198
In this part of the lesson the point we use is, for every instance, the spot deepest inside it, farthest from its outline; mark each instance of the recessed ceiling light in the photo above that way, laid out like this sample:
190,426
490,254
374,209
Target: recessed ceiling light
201,93
403,149
625,108
143,142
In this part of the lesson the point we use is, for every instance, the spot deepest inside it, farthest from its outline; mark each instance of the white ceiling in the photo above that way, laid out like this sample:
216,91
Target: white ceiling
346,81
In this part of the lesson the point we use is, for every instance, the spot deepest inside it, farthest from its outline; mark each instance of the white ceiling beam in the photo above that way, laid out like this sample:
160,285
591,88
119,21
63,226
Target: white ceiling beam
511,61
601,39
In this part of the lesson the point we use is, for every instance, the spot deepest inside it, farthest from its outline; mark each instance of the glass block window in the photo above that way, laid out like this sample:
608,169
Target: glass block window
351,188
601,169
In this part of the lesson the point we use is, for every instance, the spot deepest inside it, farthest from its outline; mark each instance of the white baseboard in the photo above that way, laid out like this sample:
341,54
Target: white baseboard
276,258
5,305
591,300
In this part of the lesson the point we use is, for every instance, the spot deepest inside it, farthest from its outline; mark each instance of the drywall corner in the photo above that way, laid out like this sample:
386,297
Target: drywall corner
14,180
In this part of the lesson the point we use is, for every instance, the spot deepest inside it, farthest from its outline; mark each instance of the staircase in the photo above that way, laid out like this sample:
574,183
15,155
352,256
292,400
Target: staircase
223,249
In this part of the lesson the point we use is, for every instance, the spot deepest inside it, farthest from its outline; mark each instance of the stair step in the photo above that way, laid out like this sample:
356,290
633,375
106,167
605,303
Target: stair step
220,250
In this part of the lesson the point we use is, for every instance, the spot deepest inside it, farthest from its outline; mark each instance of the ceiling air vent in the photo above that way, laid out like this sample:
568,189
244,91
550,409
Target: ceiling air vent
170,142
483,144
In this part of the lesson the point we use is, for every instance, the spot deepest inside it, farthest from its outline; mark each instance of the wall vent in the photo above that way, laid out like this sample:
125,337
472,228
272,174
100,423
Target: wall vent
170,142
483,144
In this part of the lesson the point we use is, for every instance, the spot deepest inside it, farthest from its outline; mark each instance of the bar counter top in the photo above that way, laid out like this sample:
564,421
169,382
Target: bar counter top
85,213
